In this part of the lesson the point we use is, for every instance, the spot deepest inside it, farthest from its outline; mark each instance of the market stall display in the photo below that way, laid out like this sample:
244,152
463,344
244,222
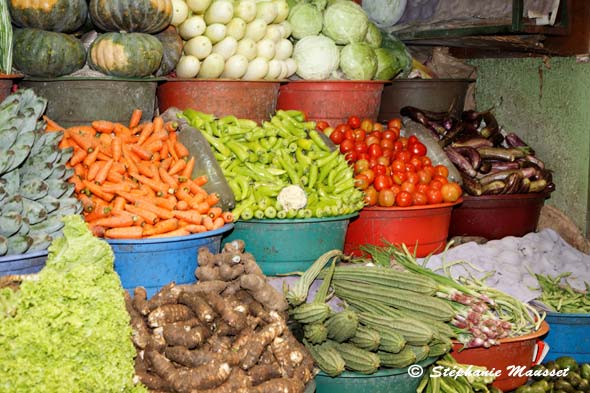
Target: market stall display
562,374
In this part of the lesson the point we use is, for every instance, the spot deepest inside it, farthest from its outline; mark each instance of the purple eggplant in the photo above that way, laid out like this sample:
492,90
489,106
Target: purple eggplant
524,186
473,142
513,140
535,161
460,162
485,167
436,116
538,185
503,165
505,174
471,115
471,185
419,116
513,183
491,127
451,135
494,188
500,153
471,154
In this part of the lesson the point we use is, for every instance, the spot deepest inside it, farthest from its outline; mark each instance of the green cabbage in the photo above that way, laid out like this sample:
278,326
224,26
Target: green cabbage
388,65
345,22
385,13
305,19
402,54
358,61
70,331
373,37
316,57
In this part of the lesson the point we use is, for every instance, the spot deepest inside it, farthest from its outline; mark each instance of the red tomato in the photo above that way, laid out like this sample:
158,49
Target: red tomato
451,192
386,144
370,196
382,160
397,147
424,176
394,123
419,198
361,182
413,178
404,156
381,182
396,189
367,124
423,188
416,162
361,165
403,199
441,179
388,153
418,149
372,162
349,134
441,170
398,166
354,122
342,127
371,140
375,150
408,187
426,161
322,125
359,135
378,126
363,156
346,145
409,167
369,174
435,184
360,147
434,196
386,197
399,177
380,169
389,135
351,156
376,134
429,169
337,136
412,140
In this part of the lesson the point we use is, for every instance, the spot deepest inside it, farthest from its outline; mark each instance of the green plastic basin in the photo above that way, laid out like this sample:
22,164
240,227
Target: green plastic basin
284,246
387,380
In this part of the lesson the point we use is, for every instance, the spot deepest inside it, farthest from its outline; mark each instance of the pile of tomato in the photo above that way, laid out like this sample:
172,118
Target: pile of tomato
391,169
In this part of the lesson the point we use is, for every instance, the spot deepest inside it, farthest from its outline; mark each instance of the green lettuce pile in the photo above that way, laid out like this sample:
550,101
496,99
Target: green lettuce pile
68,330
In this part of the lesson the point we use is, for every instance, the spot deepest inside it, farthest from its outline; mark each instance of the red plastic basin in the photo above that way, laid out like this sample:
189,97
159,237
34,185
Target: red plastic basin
332,101
423,227
497,216
516,351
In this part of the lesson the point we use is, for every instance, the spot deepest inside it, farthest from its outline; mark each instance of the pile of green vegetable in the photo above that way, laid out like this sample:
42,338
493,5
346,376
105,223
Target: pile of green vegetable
562,375
67,330
34,192
332,36
559,296
280,169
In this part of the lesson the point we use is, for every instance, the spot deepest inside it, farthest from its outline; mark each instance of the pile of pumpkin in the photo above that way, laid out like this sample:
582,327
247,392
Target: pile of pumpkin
138,40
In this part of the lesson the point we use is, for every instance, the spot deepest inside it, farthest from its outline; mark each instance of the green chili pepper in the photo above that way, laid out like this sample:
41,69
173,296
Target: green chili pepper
326,169
304,143
328,158
282,214
270,212
315,137
313,175
228,120
247,214
292,213
247,124
238,149
217,144
235,188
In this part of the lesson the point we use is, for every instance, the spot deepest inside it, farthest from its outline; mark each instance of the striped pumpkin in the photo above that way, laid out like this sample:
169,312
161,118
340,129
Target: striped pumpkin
53,15
141,16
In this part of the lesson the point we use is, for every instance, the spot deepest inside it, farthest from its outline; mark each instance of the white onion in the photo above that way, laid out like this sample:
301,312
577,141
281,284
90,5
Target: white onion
235,67
291,66
256,30
199,47
275,67
236,28
283,49
198,6
187,67
282,11
216,32
257,69
212,66
179,12
286,28
192,27
246,10
274,33
220,11
247,48
266,10
265,48
227,47
284,71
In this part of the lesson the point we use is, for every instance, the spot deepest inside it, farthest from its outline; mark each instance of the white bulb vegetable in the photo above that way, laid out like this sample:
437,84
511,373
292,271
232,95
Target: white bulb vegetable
220,11
257,69
275,67
198,6
247,48
236,28
192,27
227,47
266,10
256,30
187,67
212,66
216,32
274,33
179,12
235,67
200,47
246,10
283,49
282,11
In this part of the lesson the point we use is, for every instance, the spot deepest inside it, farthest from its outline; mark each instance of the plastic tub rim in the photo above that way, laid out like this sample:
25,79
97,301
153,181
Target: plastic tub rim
382,372
553,314
506,197
431,81
174,239
30,255
219,80
300,220
410,208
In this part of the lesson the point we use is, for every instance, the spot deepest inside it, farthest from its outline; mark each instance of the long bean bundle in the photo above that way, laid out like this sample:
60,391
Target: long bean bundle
5,39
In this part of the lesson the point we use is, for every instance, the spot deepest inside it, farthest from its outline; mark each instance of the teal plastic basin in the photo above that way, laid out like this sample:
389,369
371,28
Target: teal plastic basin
153,263
386,380
284,246
569,335
28,263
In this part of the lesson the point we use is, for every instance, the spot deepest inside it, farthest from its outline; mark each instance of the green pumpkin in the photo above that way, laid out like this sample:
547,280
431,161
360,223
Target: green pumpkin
172,44
53,15
46,53
142,16
126,55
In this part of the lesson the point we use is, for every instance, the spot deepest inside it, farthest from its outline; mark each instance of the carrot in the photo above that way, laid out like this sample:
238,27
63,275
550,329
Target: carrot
146,132
146,190
201,180
227,217
80,170
103,126
91,158
83,139
165,203
177,167
98,191
87,203
162,227
154,185
114,221
172,136
104,171
77,182
141,152
171,126
65,143
145,169
119,203
122,130
146,215
114,187
183,195
137,220
94,169
202,207
208,223
164,153
135,118
119,167
98,212
181,150
160,212
97,231
126,151
192,228
116,147
165,176
175,233
192,216
114,176
78,156
182,205
212,199
154,146
131,232
218,223
171,149
214,212
165,163
187,171
52,125
158,124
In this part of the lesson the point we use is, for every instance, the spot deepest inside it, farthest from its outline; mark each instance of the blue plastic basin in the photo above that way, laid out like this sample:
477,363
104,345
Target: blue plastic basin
284,246
29,263
153,263
569,335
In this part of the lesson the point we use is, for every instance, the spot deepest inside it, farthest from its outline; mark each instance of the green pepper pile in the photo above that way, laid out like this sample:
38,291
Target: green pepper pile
261,161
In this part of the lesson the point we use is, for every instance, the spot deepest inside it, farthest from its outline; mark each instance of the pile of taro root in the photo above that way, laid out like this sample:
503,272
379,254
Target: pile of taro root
226,333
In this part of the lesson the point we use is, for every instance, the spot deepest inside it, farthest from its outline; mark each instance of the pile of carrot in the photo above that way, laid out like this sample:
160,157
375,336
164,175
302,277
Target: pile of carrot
134,180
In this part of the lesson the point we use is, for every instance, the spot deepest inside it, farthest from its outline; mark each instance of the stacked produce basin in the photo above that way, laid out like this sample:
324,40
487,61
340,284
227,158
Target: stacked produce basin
250,226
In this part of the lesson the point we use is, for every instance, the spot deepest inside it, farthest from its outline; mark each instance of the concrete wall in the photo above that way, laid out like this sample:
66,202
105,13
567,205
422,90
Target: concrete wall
548,105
